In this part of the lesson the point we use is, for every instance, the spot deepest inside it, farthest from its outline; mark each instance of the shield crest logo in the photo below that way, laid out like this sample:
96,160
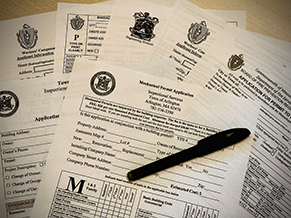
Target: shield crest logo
198,32
235,62
144,26
77,22
27,37
9,103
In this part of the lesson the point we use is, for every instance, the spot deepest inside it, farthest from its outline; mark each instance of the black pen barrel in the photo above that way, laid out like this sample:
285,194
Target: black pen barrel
162,164
205,146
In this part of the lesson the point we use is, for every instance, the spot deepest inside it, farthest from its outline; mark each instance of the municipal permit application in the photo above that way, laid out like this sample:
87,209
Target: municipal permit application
249,68
29,111
114,120
80,31
27,47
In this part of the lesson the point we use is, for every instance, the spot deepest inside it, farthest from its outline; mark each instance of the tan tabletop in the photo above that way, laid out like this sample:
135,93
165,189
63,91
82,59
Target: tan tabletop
267,17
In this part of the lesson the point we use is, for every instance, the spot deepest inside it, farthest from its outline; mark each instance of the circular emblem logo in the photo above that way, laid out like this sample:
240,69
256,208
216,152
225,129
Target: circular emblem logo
9,103
102,83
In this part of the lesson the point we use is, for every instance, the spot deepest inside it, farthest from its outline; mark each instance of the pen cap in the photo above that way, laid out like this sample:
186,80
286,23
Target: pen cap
221,140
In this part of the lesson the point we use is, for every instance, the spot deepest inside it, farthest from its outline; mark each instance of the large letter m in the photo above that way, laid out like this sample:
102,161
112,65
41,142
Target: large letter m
72,185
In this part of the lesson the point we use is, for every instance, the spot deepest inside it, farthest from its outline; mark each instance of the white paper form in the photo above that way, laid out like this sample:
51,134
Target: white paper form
166,67
257,71
191,32
29,111
134,30
235,18
283,45
27,47
80,33
113,120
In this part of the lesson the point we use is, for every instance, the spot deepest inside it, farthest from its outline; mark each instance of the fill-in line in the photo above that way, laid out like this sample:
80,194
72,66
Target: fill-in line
39,127
216,168
142,149
190,177
88,143
121,167
118,158
118,174
30,137
272,115
245,93
261,136
265,122
271,135
27,155
270,166
288,204
24,164
132,138
151,159
214,199
108,140
175,181
196,171
219,161
164,186
272,126
220,177
210,190
28,146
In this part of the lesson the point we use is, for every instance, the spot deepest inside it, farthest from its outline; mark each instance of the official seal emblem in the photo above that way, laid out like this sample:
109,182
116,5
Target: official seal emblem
27,37
198,32
144,26
77,22
235,62
103,83
9,103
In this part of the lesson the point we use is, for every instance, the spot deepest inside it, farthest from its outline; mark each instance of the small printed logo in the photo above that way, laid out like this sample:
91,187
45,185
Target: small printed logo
9,103
27,37
102,83
144,26
235,62
198,32
77,22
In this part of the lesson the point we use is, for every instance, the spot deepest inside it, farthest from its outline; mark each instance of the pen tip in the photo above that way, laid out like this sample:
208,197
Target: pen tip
238,134
129,176
246,132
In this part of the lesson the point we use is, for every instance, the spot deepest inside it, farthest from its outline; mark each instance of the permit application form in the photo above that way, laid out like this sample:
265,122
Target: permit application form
27,47
258,71
114,120
80,31
29,111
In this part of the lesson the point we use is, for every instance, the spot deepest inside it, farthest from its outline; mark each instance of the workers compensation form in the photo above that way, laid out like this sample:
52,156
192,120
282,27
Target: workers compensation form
28,45
114,120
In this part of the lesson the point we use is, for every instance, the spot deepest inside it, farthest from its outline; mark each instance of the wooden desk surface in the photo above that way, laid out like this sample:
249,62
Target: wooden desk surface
267,17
